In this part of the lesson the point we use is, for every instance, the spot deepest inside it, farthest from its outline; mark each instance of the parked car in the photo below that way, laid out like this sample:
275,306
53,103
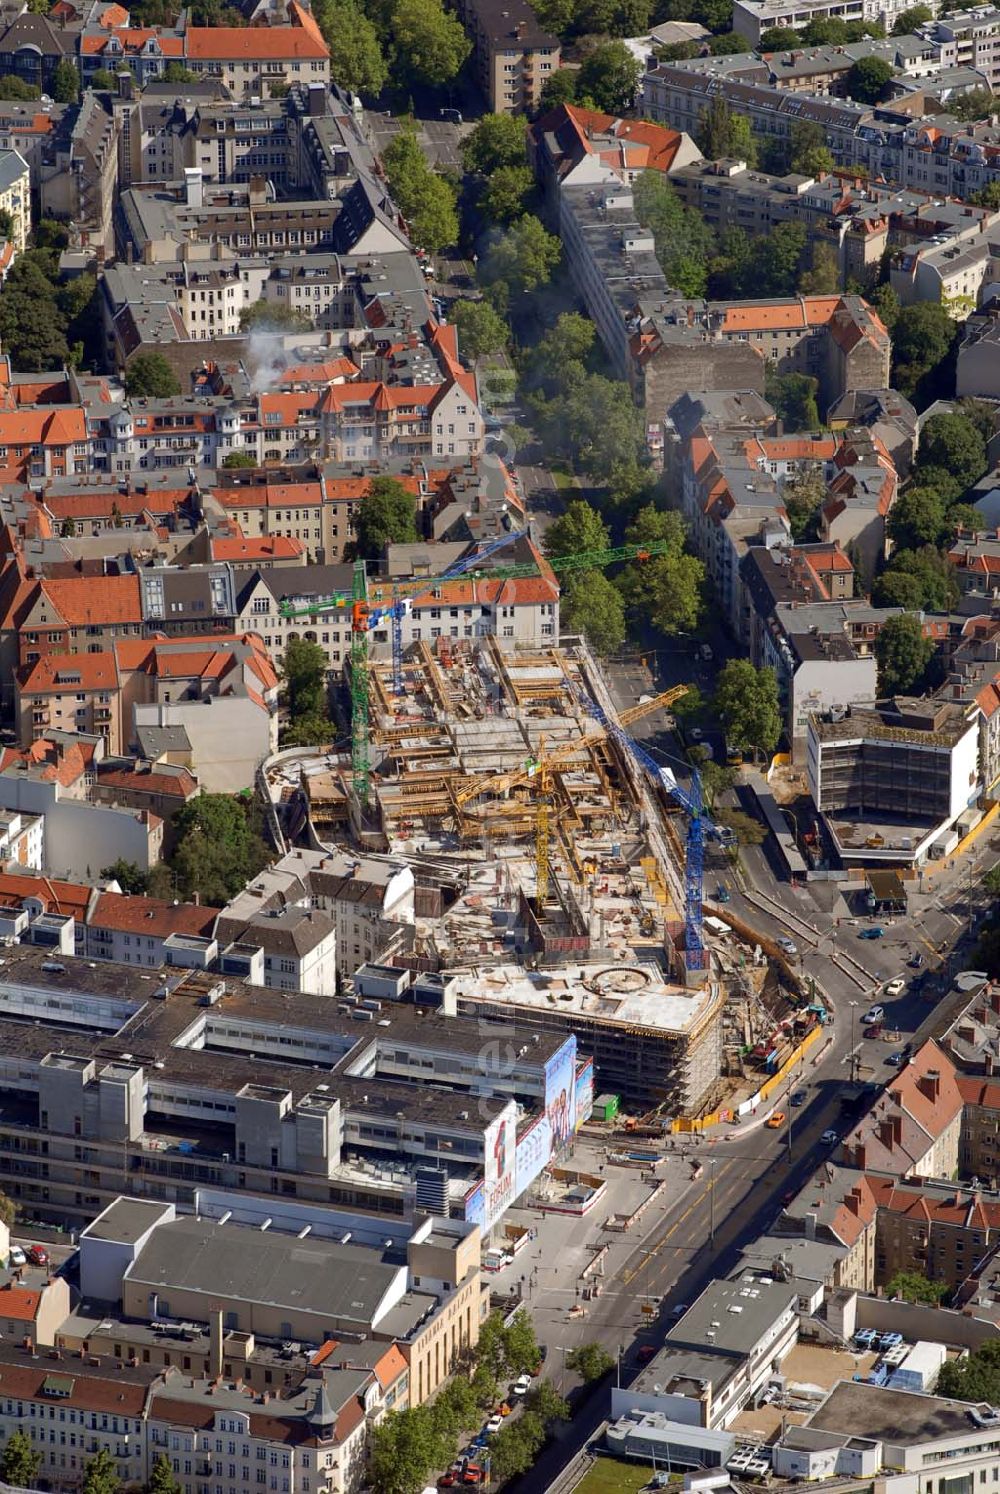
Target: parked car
38,1255
877,932
722,894
788,945
646,1353
874,1030
17,1256
874,1013
895,1060
916,961
830,1138
798,1098
521,1385
776,1121
894,987
494,1424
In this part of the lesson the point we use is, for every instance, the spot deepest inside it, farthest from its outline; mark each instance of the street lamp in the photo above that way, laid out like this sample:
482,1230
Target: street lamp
711,1200
854,1007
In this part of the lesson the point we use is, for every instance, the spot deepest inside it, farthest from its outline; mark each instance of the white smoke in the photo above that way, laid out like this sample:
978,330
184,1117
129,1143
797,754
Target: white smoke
266,359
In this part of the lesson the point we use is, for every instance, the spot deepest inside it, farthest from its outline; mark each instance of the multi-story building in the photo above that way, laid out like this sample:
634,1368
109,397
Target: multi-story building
892,779
567,144
15,197
32,47
751,18
967,38
80,186
514,55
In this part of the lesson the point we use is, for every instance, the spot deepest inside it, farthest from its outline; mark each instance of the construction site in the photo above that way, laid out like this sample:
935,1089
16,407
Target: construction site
553,859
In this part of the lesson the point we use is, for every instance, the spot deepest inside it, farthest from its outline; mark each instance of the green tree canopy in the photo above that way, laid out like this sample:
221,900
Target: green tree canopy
429,43
406,1448
102,79
480,329
974,1378
578,529
868,80
921,579
560,355
161,1479
65,82
794,399
978,103
128,874
590,1362
16,88
386,515
721,133
911,1286
506,194
219,848
778,39
150,375
523,258
908,20
803,496
176,72
822,278
558,88
305,679
426,199
923,337
903,654
917,518
665,591
237,460
746,702
614,17
497,140
810,154
590,604
19,1462
609,78
100,1475
357,61
682,237
956,444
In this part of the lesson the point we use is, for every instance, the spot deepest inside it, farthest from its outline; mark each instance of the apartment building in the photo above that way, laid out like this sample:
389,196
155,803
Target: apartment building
567,144
15,197
32,47
751,18
969,38
513,55
80,184
890,780
301,939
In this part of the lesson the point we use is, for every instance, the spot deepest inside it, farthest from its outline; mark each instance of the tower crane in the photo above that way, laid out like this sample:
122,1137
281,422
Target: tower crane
365,617
699,825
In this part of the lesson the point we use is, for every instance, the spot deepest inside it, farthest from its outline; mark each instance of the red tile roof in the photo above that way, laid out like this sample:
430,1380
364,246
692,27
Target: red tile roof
70,899
149,915
19,1303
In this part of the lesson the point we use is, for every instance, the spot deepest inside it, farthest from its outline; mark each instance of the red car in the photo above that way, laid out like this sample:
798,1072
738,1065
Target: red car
37,1255
646,1353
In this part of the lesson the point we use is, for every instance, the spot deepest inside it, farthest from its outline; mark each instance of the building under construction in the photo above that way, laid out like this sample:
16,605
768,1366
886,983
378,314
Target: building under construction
563,859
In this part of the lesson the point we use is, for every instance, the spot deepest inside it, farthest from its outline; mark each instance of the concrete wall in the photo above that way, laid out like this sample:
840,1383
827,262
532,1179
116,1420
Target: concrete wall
228,738
915,1322
82,838
819,684
710,365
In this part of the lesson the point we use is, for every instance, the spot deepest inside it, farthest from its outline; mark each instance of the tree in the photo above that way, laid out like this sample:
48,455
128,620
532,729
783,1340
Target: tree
803,495
665,591
590,604
150,375
965,516
219,848
614,17
19,1463
683,239
776,261
954,443
176,72
556,16
356,58
239,460
823,275
925,574
560,355
590,1362
978,103
65,82
386,515
497,140
916,519
810,154
748,831
903,654
908,20
579,529
911,1286
512,1451
991,881
923,338
100,1476
520,1346
128,874
778,39
746,702
676,51
406,1447
721,133
274,316
729,44
609,78
16,88
305,679
794,399
974,1378
505,195
161,1479
480,330
558,88
102,79
544,1402
426,200
598,427
868,80
429,44
523,258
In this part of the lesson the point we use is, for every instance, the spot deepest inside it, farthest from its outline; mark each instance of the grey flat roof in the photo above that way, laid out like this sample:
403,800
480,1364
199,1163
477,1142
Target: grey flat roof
895,1416
250,1265
125,1221
731,1316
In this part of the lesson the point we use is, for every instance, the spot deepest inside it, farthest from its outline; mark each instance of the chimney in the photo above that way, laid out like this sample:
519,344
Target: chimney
194,187
125,84
317,100
885,1130
896,1122
215,1345
930,1084
852,1202
860,1155
809,1221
